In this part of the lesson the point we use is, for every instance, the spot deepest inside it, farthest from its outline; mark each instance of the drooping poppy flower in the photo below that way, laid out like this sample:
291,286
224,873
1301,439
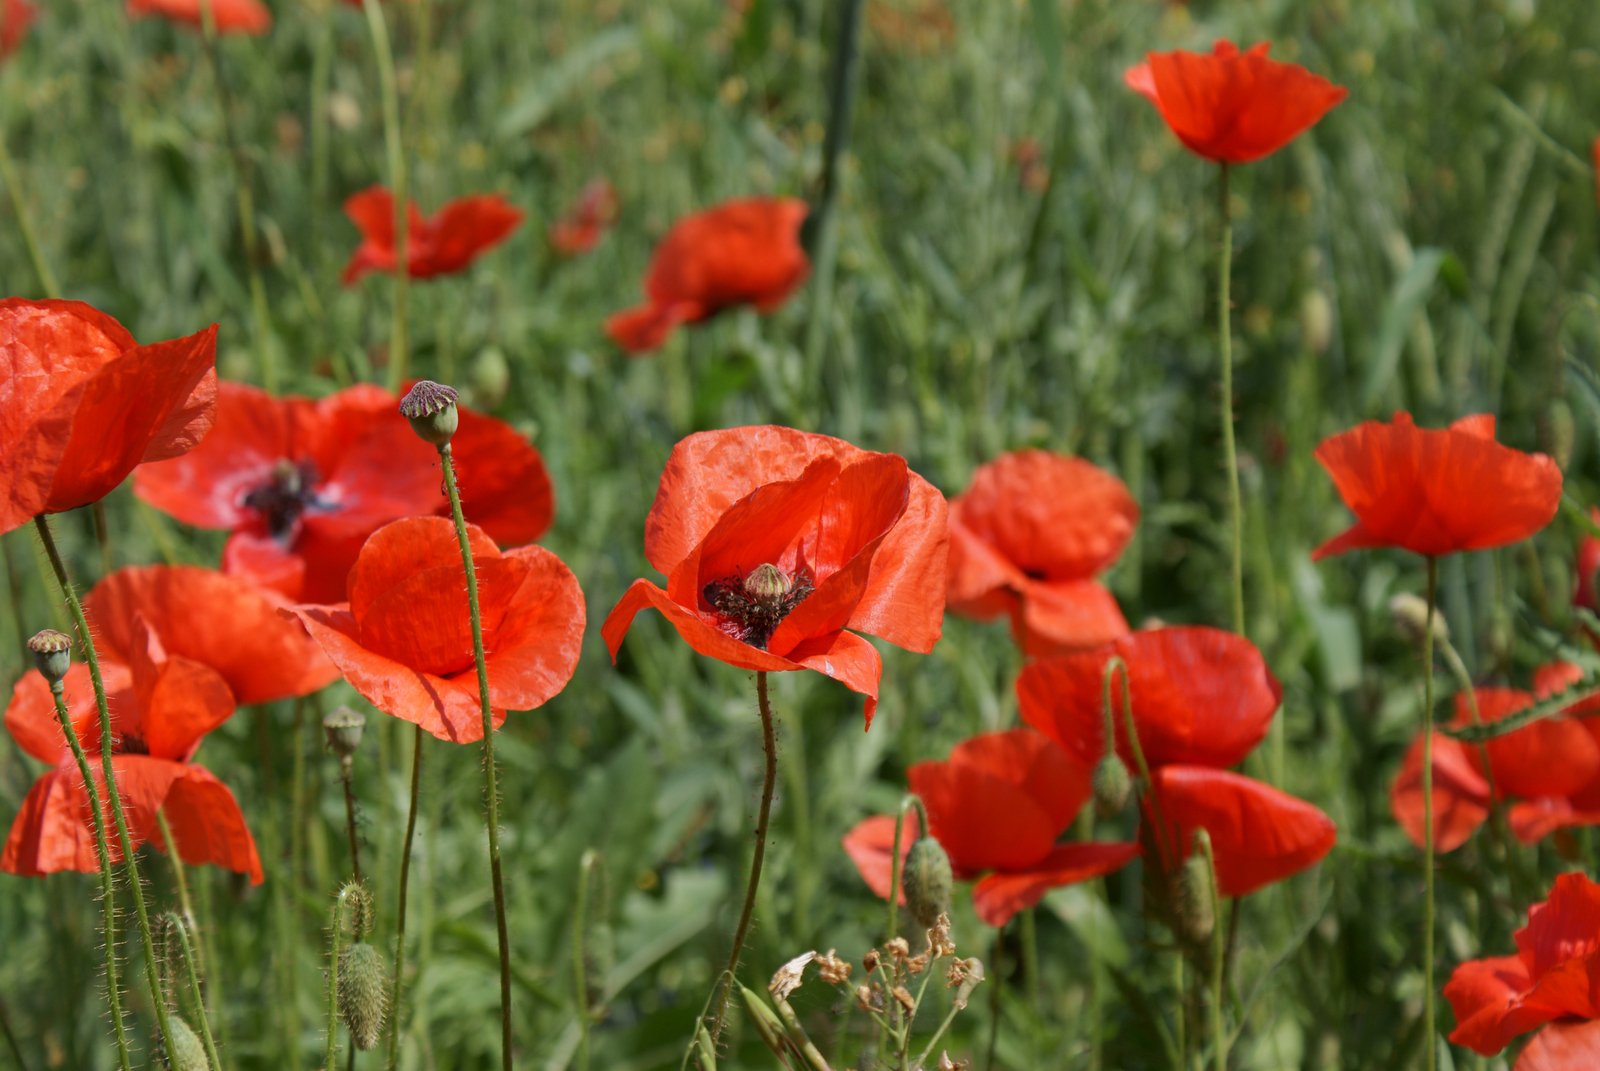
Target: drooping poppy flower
1027,539
580,229
1551,984
1230,106
302,484
780,545
161,706
231,16
82,404
440,244
1436,491
1201,697
404,640
997,806
744,252
15,18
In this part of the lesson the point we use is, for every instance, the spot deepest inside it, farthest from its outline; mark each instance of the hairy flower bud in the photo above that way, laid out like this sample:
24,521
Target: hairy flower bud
1410,616
343,726
52,653
1112,785
1194,909
431,408
363,1001
188,1051
927,880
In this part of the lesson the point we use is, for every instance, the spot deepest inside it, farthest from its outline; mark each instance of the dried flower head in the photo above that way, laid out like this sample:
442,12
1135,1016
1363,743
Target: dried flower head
789,976
918,963
903,997
872,960
940,943
898,948
52,653
868,998
431,409
833,970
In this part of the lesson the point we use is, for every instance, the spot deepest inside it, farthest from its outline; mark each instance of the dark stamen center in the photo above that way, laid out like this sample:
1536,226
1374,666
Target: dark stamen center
132,745
288,493
753,606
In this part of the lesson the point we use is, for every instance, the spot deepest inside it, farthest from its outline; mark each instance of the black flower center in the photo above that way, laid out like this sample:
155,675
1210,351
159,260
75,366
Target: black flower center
288,492
131,745
754,605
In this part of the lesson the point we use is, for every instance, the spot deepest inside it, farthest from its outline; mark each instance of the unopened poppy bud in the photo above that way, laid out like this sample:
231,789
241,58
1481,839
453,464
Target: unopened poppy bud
767,583
491,377
768,1025
1112,785
52,653
1316,321
188,1051
599,957
1410,616
343,726
1560,432
431,408
363,1000
927,880
1195,911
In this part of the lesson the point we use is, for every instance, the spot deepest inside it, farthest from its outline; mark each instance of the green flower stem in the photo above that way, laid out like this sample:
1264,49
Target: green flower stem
347,777
1219,1037
24,217
181,929
1229,450
906,803
580,932
1431,1054
1114,664
86,645
330,1057
490,790
393,1058
1182,1017
107,882
769,741
383,56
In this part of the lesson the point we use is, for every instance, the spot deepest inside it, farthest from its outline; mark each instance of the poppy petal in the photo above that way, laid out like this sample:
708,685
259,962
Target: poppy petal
1059,616
848,659
870,844
1486,996
1001,895
1562,1047
647,327
505,489
208,826
697,633
31,715
406,547
1550,757
178,700
1460,794
465,228
904,598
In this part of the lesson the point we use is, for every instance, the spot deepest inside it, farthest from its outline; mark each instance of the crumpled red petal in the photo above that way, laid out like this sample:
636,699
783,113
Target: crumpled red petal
999,896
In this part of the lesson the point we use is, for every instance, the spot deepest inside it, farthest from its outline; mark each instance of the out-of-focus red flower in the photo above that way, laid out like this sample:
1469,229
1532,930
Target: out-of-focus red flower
161,706
917,27
231,16
1028,538
15,18
1436,491
1232,106
82,404
580,229
1584,592
998,806
1033,168
744,252
302,484
1201,697
776,543
1553,983
404,640
443,243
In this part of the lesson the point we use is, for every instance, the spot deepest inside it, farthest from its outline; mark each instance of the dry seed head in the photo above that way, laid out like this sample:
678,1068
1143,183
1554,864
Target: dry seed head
927,880
917,964
343,726
833,970
903,997
363,1001
188,1052
52,653
431,409
971,973
940,943
871,960
897,948
867,998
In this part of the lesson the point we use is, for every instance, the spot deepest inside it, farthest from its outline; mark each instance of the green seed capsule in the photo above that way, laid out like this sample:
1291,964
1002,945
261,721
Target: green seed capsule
363,1000
927,881
431,409
189,1053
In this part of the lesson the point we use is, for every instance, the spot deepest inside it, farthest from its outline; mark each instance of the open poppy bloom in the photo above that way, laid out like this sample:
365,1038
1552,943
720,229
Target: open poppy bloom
404,640
776,543
15,18
1230,106
1548,986
1436,491
161,706
1027,539
232,16
82,404
443,243
580,229
997,806
301,484
744,252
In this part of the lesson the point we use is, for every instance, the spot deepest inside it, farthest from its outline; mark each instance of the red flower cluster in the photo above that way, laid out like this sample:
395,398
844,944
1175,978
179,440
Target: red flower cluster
1028,538
738,253
997,806
580,229
231,16
777,543
84,404
1230,106
441,244
15,18
1202,700
1551,768
302,484
1551,984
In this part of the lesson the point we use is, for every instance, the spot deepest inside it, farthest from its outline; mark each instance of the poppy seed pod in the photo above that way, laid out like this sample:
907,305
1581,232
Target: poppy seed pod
188,1052
344,727
362,998
1194,908
431,409
927,881
52,653
1112,785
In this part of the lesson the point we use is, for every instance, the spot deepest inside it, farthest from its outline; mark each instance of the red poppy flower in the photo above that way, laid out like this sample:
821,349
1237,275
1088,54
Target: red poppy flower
404,640
738,253
161,706
1232,106
1436,491
302,484
580,229
82,404
15,18
231,16
1201,697
1553,979
997,806
443,243
1029,536
775,542
1584,592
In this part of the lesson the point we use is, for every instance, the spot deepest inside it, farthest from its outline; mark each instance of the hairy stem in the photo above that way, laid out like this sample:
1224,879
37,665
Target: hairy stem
400,909
180,927
347,776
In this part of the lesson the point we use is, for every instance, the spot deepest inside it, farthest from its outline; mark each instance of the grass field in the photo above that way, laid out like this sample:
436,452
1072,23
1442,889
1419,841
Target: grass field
1429,246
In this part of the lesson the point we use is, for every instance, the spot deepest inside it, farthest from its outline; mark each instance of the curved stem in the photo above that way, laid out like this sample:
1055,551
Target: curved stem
400,909
490,789
180,927
1113,664
1229,451
1431,1055
107,880
769,743
383,55
119,819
